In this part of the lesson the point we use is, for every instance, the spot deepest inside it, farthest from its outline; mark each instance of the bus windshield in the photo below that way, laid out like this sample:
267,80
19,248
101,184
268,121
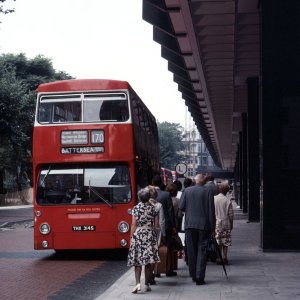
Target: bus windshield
67,108
77,184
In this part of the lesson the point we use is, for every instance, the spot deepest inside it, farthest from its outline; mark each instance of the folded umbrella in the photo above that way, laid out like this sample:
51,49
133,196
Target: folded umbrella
220,256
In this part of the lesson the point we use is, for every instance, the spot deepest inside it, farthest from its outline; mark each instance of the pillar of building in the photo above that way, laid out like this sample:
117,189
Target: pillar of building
253,150
241,170
280,124
237,179
244,174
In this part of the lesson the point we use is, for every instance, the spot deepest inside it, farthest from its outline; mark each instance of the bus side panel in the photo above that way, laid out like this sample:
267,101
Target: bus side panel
146,143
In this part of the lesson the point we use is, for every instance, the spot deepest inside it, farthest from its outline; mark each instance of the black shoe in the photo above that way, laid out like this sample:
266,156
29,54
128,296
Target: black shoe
157,275
194,279
152,282
200,282
171,273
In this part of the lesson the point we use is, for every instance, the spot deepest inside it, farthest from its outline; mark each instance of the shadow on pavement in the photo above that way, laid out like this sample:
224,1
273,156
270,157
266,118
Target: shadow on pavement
107,254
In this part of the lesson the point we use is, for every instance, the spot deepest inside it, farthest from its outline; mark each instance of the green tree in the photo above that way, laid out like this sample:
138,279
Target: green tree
170,140
32,71
19,79
5,10
15,113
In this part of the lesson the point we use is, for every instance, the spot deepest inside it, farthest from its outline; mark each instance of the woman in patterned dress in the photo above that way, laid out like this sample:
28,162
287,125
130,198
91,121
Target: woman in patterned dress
224,220
143,249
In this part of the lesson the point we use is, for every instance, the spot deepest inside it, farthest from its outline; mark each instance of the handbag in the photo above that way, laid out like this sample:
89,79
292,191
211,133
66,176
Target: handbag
211,250
176,242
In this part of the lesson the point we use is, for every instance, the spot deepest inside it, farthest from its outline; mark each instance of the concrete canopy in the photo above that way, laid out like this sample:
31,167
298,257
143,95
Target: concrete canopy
212,48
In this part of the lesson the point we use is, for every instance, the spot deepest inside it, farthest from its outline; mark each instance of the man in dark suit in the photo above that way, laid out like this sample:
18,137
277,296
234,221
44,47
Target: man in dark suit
198,204
165,199
209,182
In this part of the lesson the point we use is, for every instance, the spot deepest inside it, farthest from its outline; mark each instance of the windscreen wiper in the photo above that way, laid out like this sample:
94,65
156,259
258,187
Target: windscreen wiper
49,169
100,196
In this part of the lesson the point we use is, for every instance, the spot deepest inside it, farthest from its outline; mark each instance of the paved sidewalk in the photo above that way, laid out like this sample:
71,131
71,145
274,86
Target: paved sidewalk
252,274
15,207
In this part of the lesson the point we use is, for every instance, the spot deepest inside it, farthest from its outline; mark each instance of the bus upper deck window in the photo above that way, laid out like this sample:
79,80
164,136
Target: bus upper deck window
67,112
106,110
115,110
57,112
106,107
91,111
44,113
56,108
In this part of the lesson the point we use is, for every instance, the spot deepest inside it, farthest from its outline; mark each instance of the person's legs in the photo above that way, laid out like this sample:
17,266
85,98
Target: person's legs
148,277
153,271
221,250
225,252
148,273
201,256
137,273
191,244
185,251
226,241
221,236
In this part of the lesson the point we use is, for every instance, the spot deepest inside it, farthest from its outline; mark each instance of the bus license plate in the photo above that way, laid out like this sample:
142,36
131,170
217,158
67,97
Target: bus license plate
84,228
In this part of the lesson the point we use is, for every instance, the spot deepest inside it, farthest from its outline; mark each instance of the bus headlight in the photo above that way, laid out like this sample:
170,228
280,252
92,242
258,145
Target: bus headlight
123,227
44,228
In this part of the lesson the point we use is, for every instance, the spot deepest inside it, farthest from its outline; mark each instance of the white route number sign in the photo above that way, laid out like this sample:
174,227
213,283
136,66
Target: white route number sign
181,168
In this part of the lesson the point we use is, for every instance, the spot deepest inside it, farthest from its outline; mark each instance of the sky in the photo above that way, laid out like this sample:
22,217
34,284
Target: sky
104,39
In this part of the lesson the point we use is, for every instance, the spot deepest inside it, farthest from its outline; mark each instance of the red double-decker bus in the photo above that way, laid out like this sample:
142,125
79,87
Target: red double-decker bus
95,143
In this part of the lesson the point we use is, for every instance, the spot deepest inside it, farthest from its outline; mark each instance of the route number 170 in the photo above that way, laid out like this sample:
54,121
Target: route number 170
97,136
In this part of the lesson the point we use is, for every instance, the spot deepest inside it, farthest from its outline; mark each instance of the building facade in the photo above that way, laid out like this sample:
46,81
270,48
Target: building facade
196,154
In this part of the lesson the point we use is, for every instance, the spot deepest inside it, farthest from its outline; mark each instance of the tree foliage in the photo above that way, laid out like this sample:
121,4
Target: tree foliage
4,10
19,79
170,139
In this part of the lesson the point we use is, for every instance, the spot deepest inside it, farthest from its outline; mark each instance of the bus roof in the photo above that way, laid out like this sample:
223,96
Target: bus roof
83,85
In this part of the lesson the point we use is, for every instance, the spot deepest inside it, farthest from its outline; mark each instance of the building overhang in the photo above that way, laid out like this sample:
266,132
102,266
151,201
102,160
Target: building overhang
212,48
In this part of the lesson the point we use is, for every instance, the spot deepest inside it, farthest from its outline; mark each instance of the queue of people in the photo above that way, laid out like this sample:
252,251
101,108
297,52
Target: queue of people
202,208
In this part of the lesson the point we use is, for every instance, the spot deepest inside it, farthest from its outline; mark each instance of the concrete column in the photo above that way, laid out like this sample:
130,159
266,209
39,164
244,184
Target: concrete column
241,171
244,174
237,178
253,150
280,124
